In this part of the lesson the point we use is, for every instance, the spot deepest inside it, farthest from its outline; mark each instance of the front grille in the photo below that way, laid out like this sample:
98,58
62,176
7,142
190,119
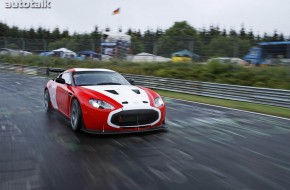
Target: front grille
134,117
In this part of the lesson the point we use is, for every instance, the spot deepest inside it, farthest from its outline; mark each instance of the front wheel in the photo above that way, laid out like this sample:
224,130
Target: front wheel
76,116
47,102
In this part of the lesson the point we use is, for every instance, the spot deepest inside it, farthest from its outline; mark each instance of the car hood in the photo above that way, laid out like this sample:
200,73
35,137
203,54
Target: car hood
131,97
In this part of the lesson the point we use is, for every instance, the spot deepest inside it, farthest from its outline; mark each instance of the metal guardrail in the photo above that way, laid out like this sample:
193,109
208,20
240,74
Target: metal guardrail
267,96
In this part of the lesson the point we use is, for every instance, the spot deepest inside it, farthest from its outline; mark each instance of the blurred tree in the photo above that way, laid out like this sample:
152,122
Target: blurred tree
148,41
39,33
14,32
24,33
136,44
258,38
214,31
70,44
96,39
65,34
159,32
220,47
250,36
275,36
178,37
243,34
224,33
4,29
227,47
233,33
266,38
138,34
243,47
46,34
129,32
281,37
96,34
204,36
31,33
56,34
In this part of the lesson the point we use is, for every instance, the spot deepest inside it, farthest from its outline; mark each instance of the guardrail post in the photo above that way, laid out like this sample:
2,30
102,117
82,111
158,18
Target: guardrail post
44,45
23,43
5,42
93,45
190,48
47,71
235,49
155,50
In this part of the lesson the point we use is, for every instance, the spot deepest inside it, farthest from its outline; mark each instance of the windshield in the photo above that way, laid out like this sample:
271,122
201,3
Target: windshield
87,78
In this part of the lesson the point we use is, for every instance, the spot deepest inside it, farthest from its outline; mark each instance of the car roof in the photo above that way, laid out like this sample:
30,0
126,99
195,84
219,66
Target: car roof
88,69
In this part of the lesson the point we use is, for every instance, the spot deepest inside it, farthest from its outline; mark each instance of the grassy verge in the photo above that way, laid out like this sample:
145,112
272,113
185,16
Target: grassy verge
271,110
269,77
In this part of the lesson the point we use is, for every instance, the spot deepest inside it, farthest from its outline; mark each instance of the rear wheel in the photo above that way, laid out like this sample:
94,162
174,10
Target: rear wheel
76,116
47,103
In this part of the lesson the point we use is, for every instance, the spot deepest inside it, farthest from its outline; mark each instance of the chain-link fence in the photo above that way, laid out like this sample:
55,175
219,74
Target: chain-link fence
41,45
147,49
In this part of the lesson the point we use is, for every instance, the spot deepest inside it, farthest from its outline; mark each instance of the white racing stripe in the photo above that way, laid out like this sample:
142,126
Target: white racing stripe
125,94
52,93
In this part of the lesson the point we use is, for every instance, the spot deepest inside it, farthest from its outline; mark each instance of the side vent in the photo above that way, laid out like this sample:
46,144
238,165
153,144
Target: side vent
136,91
125,102
145,102
112,92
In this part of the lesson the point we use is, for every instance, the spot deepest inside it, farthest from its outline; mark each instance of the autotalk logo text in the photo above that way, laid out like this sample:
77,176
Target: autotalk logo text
44,4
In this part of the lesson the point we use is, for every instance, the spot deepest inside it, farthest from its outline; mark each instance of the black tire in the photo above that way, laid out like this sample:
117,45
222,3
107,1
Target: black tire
47,102
76,119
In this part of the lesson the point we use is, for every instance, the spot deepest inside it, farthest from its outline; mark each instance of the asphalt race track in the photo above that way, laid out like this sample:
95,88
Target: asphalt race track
205,148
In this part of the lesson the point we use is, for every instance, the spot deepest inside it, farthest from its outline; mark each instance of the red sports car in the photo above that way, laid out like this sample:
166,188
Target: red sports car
103,101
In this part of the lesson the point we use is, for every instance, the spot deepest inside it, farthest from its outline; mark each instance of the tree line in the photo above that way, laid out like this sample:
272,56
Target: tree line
206,42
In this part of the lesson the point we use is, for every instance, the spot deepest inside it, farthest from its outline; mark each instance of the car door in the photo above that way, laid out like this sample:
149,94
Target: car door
64,93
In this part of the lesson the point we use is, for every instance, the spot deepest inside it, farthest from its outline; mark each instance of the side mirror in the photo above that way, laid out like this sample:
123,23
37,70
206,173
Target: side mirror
60,80
132,81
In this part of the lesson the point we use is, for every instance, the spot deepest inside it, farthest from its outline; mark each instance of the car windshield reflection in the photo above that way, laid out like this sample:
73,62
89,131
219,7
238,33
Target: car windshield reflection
91,78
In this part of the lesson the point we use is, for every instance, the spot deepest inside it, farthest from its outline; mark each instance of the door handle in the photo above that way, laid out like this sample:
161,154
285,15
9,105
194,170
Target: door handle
69,93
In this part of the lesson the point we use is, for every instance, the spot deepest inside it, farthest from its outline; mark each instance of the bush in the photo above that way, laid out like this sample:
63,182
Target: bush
270,77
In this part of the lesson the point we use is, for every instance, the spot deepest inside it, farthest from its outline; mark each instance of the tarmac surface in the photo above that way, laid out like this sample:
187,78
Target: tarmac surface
205,148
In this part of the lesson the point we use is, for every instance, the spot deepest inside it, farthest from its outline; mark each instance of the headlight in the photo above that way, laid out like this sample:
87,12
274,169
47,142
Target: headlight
158,101
100,104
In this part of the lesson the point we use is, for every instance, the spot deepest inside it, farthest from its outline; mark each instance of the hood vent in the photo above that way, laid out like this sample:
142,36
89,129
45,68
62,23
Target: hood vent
145,102
136,91
112,92
125,102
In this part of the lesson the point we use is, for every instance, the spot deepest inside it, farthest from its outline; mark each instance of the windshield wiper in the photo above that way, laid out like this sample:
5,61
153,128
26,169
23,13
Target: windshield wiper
109,83
87,84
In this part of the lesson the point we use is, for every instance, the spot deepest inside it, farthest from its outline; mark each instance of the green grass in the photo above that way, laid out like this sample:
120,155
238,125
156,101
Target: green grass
260,108
277,77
